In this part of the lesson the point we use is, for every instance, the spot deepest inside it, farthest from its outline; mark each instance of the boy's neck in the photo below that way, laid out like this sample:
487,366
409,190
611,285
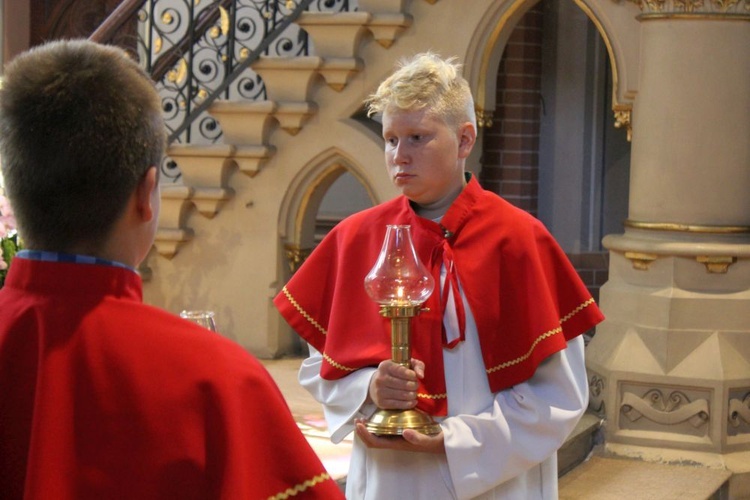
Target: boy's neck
439,207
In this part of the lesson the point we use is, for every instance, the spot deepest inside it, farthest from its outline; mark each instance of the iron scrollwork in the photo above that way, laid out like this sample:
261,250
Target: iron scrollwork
198,51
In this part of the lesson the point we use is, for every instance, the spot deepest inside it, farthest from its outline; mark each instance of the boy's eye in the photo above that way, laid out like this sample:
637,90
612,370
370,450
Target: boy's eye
416,137
391,141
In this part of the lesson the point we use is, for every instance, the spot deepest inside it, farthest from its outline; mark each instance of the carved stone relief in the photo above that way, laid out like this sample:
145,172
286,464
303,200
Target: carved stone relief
597,384
668,409
739,413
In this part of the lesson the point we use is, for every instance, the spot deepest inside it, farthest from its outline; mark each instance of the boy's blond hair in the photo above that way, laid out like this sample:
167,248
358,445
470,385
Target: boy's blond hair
426,81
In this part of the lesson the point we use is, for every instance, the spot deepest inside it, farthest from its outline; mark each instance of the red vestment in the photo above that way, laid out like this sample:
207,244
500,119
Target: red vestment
525,296
102,396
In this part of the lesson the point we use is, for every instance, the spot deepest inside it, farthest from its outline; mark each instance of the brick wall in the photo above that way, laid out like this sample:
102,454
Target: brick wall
593,268
510,161
510,164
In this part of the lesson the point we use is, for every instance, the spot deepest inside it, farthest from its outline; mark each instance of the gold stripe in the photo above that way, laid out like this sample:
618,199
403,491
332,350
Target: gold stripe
304,314
432,396
539,339
292,492
577,310
691,16
687,228
528,354
337,365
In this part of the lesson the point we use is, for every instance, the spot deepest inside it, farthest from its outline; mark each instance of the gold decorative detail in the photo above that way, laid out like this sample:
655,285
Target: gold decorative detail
296,256
687,228
688,6
244,53
290,4
542,337
675,409
302,312
296,490
526,356
432,396
158,44
622,118
224,15
202,94
652,5
640,260
484,118
177,75
693,9
337,365
214,32
577,310
725,5
604,33
716,264
167,18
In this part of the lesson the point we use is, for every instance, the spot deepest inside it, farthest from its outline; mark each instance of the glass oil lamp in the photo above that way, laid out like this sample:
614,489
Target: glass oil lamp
400,283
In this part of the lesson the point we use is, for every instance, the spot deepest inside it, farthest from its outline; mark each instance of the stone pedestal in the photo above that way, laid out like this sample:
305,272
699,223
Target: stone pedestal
670,367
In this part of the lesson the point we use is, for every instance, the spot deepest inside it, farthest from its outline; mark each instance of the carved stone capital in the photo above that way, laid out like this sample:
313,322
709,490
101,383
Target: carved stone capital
484,118
623,118
697,9
295,256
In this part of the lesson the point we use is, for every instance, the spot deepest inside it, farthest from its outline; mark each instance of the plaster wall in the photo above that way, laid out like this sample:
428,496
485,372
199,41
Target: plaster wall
235,263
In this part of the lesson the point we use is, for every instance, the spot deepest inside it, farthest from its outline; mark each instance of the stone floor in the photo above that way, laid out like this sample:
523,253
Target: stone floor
614,479
598,478
309,416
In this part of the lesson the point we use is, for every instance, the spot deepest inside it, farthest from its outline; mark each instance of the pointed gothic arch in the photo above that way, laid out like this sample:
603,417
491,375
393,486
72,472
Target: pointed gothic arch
618,29
297,217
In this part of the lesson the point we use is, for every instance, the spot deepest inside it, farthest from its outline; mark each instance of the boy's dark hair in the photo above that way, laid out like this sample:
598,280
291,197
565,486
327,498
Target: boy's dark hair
80,124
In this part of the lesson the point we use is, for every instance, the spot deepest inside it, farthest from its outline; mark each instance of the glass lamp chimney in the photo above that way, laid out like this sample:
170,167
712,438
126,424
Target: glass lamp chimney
398,277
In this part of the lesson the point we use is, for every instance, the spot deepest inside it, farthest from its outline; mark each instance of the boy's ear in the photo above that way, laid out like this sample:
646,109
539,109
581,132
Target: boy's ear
467,136
144,192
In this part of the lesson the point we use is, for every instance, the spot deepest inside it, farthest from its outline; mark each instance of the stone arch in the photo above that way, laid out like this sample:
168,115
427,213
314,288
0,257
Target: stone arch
615,22
305,194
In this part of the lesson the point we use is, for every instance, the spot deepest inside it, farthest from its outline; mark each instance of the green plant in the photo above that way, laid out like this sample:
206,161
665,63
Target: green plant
10,243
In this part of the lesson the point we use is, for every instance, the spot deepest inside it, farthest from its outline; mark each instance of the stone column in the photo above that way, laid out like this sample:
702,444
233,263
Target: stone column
670,367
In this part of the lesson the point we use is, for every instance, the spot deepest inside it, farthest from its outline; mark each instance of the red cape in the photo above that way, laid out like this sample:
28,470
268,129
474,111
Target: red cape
102,396
525,296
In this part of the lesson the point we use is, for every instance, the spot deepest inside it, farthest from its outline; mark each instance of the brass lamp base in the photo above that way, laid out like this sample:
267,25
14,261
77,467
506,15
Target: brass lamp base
394,422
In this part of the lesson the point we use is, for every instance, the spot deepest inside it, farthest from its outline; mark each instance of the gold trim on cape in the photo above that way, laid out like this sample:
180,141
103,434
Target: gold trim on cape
295,490
304,314
432,396
539,339
337,365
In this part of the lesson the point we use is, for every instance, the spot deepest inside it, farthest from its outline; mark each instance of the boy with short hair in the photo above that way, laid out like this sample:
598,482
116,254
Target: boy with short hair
102,396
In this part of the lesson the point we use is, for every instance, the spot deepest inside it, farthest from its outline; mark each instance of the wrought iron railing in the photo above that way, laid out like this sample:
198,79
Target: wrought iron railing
198,51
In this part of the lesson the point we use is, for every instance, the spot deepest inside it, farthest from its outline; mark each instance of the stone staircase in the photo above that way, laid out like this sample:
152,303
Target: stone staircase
249,127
